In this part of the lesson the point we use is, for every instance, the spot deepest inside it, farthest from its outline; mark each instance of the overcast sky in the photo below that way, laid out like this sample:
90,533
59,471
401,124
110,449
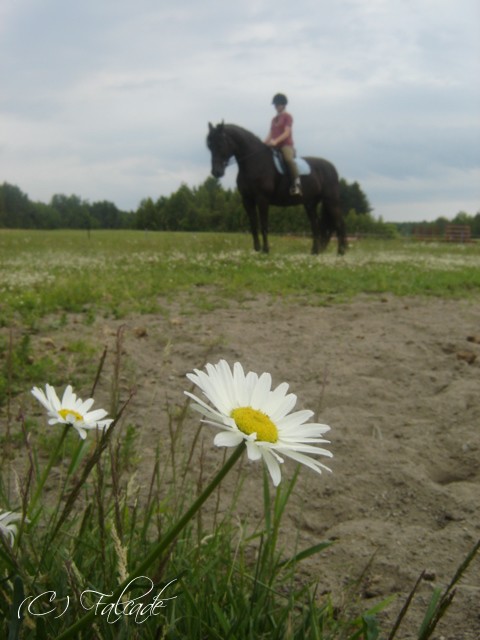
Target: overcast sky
110,99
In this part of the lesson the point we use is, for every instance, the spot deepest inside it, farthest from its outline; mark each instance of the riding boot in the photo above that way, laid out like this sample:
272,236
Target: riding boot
296,188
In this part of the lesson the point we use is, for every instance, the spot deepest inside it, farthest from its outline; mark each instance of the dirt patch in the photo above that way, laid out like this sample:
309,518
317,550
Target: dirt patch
397,380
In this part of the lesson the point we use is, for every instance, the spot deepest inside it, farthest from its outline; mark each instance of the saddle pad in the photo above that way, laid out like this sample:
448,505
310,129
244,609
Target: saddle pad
302,165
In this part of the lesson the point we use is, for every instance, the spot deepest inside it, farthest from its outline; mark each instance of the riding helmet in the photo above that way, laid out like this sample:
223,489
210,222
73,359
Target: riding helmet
279,98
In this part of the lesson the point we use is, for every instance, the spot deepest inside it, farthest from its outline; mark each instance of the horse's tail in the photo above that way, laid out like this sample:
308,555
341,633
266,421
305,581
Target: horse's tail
332,218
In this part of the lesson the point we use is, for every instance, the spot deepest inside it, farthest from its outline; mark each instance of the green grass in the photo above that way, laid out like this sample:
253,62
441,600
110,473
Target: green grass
124,271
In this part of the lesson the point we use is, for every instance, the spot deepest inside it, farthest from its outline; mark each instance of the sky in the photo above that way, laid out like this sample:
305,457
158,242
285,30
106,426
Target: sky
111,99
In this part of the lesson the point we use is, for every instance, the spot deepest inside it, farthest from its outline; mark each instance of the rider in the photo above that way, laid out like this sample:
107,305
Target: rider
280,137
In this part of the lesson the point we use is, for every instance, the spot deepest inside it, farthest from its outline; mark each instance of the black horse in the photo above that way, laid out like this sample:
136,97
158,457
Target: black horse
260,185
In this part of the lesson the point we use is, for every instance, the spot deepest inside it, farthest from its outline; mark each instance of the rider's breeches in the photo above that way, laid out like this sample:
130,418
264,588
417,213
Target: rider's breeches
289,156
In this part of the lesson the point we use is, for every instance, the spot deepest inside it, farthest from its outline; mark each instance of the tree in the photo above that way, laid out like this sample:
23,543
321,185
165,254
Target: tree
16,210
73,211
476,225
462,218
105,215
146,216
365,224
45,216
352,197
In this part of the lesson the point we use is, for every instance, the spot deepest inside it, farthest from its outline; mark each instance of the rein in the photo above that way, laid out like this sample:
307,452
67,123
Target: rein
232,158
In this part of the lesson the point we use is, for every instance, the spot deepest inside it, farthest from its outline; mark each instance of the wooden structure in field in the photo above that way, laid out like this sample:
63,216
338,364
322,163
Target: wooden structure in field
452,233
458,233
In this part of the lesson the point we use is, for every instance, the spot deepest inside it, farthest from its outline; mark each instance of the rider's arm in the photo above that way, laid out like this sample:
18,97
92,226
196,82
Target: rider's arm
283,136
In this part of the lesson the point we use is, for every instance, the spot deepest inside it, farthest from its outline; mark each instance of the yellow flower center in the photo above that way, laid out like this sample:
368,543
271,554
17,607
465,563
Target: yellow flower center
70,412
251,421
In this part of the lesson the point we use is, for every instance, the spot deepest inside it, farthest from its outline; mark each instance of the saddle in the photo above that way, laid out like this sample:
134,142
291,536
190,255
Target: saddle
302,165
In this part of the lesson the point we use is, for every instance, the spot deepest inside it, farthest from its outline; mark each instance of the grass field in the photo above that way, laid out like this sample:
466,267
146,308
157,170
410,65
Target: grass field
79,524
121,272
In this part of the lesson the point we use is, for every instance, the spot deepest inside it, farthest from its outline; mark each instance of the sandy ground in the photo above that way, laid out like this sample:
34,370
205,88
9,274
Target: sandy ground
396,379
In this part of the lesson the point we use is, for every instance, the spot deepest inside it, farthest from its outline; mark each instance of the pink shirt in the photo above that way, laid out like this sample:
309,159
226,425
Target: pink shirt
279,123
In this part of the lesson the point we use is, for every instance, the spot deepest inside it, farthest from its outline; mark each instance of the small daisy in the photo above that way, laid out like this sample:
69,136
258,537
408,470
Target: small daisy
246,408
8,529
71,410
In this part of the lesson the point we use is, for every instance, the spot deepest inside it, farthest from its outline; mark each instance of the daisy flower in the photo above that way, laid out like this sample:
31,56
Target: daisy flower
8,529
71,410
246,408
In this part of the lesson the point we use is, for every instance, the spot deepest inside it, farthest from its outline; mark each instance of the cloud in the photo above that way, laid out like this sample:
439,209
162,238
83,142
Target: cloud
111,100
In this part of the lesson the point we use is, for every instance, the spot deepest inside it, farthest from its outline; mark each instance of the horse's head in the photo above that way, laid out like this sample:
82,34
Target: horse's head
221,148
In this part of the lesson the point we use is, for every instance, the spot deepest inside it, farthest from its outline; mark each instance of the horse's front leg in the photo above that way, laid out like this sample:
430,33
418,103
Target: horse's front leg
311,209
263,213
251,209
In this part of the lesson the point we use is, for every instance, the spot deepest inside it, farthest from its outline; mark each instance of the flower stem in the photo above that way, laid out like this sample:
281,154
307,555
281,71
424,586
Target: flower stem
162,544
44,476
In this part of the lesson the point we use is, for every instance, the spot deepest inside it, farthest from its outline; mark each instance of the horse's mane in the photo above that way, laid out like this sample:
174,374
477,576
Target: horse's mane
236,130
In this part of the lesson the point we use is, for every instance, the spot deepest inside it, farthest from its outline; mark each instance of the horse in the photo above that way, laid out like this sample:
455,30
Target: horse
261,184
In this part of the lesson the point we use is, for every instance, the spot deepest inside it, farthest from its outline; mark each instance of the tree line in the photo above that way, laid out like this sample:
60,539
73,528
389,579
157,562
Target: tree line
208,207
17,211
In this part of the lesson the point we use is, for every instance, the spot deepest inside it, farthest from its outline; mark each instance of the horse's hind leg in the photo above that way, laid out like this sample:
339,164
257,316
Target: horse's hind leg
251,210
332,221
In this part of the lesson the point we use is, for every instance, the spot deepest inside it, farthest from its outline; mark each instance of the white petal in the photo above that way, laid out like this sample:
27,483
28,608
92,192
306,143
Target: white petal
41,397
94,416
219,425
253,450
279,406
272,466
259,397
241,395
87,405
204,408
104,424
68,398
294,420
309,430
53,398
228,383
251,380
213,388
238,375
81,431
304,448
9,516
307,461
228,439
